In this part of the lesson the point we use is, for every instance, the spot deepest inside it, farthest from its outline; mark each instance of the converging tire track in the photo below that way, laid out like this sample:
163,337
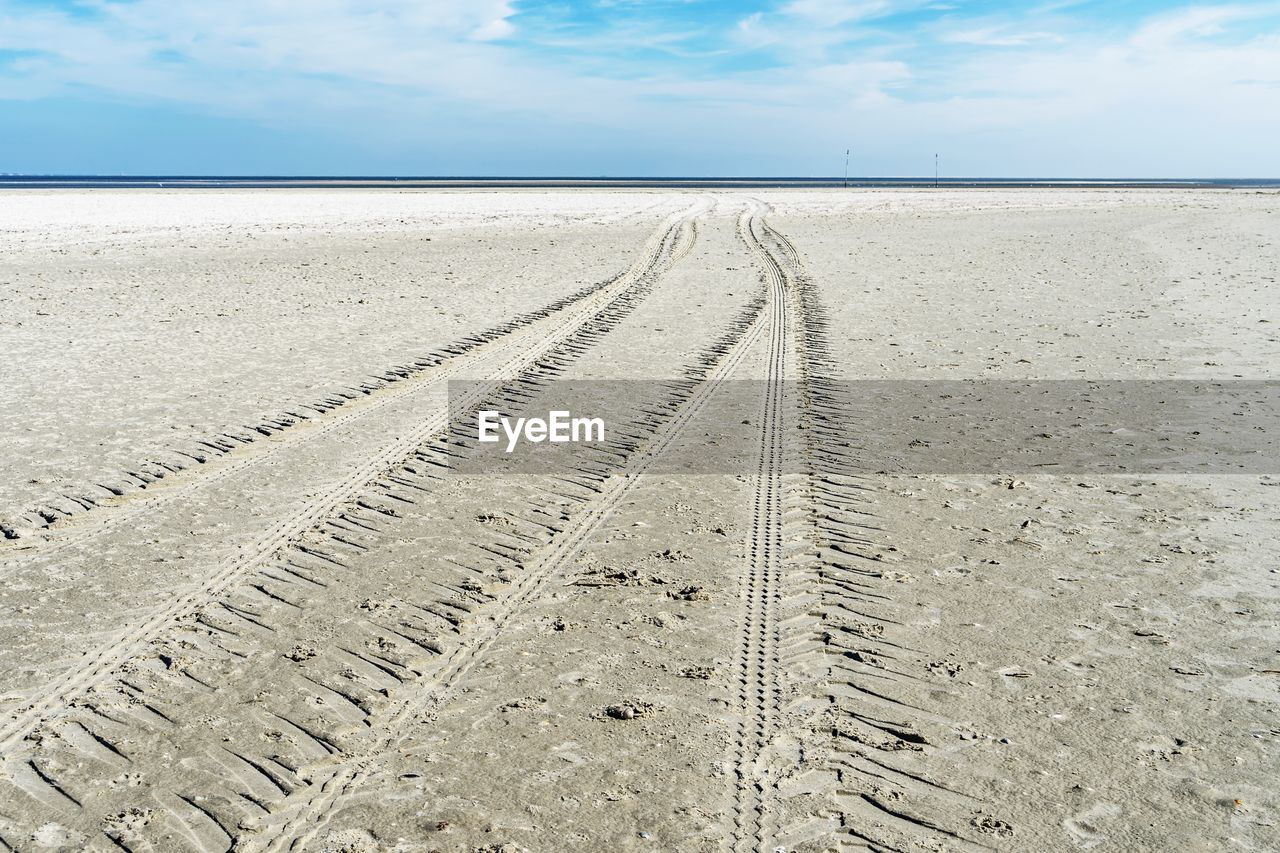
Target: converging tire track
101,729
249,712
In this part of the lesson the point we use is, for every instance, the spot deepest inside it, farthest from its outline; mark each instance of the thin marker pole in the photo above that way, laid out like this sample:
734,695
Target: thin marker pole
846,167
935,171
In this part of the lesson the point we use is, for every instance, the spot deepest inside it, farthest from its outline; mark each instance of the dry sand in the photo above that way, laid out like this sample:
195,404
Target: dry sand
244,605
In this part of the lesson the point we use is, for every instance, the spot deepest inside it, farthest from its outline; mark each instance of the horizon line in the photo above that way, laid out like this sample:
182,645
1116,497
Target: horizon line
16,180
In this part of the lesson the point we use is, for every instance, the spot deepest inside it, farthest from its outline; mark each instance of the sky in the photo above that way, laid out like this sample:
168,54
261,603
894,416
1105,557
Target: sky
1061,88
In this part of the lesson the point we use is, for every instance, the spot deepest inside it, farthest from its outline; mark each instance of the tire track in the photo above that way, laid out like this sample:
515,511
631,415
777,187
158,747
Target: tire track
758,654
855,780
97,666
350,404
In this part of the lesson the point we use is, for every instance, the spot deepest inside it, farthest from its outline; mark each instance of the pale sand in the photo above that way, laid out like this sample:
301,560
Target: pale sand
311,637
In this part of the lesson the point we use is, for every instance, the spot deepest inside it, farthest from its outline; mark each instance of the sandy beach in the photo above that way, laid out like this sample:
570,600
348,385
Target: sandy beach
248,606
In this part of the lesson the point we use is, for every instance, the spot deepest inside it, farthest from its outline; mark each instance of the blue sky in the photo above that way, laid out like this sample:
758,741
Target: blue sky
640,87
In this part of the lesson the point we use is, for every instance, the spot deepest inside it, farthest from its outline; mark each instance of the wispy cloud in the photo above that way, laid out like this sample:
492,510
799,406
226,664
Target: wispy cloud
999,37
1198,22
830,13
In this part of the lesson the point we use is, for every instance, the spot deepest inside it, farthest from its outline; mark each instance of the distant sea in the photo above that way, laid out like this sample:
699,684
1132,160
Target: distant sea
466,182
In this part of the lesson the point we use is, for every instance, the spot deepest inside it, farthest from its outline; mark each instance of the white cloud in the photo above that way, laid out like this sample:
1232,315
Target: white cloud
498,27
277,60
